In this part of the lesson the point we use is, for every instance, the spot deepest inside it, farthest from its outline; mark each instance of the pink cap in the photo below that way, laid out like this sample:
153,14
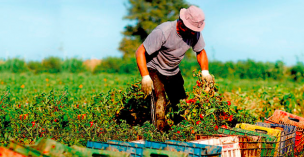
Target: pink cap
193,18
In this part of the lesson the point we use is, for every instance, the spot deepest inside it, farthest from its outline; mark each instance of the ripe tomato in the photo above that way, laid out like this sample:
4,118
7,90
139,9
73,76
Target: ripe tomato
216,128
198,122
229,103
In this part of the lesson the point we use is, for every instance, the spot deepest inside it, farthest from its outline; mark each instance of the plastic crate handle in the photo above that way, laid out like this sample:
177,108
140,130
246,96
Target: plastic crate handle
279,127
261,131
294,119
229,142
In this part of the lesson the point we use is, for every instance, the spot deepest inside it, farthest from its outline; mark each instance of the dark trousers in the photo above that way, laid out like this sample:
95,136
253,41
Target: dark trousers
173,86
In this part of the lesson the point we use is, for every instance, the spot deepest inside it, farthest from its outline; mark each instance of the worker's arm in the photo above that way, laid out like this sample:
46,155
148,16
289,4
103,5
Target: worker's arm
146,83
203,62
141,60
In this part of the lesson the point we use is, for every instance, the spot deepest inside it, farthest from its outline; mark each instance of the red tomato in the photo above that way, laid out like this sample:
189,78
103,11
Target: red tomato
192,131
224,126
229,103
198,83
230,118
198,122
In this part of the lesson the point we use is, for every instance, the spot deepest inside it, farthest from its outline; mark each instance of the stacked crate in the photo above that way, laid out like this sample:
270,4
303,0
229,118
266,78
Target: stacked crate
230,144
264,130
5,152
50,148
281,117
268,142
169,148
287,139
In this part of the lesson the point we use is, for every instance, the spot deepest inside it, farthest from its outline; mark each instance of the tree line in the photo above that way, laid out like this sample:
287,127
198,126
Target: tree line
245,69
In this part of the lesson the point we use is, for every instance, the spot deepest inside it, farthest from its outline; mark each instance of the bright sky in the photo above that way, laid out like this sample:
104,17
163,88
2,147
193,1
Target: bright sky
235,30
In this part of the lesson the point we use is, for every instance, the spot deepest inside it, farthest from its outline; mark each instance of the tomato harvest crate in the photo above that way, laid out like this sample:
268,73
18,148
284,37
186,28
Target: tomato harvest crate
268,141
269,131
96,152
9,153
147,151
133,149
287,139
53,148
239,145
152,149
230,144
194,149
191,150
25,150
281,117
112,152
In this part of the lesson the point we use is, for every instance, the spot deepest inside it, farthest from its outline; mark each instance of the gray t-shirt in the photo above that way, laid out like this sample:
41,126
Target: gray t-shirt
166,48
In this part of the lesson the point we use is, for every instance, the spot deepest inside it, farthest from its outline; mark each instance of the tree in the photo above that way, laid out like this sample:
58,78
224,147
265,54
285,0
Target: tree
147,14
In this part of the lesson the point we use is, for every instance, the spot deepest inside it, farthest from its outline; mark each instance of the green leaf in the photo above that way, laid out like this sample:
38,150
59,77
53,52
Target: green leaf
65,118
271,102
194,110
7,118
210,111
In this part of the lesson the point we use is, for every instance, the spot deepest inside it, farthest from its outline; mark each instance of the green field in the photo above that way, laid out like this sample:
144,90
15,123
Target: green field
83,106
27,85
105,81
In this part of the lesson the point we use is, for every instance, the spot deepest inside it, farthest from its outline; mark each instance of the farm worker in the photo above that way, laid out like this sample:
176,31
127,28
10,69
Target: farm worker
159,56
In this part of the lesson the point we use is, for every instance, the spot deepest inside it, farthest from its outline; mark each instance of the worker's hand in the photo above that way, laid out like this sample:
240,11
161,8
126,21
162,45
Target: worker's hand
207,76
147,84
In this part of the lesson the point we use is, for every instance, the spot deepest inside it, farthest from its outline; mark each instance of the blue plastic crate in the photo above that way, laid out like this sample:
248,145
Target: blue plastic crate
203,149
134,149
192,149
179,148
287,139
97,145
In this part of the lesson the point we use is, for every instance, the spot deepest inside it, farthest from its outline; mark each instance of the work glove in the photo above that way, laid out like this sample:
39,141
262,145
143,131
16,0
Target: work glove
147,84
206,76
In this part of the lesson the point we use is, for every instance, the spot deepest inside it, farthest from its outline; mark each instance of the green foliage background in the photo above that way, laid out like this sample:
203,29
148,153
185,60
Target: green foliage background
246,69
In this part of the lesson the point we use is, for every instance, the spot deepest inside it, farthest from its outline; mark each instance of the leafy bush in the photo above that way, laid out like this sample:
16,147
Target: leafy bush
15,65
117,65
206,108
2,68
52,64
73,65
35,66
276,70
297,71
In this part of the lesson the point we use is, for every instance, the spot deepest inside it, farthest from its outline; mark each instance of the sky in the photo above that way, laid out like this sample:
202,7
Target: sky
235,30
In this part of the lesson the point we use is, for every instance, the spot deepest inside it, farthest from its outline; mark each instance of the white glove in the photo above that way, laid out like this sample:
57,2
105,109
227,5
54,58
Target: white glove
147,84
207,76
